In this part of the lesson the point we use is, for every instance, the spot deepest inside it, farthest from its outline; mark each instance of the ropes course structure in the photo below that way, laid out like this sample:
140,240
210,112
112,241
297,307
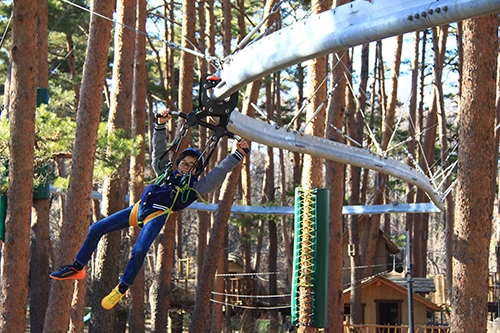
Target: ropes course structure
338,29
335,30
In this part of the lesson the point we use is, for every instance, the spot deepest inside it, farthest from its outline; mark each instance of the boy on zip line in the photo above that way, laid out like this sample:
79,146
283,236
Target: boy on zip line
170,193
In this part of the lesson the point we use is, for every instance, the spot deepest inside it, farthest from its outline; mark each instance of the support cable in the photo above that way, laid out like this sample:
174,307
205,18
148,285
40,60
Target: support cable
6,30
245,41
170,44
370,132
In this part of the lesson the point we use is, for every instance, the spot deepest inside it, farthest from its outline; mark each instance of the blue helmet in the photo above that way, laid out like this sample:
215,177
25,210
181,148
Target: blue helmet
191,152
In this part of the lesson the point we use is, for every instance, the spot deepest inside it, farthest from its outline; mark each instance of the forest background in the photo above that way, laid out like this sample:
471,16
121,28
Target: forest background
96,128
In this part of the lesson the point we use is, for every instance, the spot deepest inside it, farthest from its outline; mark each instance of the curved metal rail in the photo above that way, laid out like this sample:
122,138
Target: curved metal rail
352,24
258,131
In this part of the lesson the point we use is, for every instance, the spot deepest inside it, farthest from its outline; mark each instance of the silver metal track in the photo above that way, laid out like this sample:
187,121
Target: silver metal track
258,131
426,207
352,24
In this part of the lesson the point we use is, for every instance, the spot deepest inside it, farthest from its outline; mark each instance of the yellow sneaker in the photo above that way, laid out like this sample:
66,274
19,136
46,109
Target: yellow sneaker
113,297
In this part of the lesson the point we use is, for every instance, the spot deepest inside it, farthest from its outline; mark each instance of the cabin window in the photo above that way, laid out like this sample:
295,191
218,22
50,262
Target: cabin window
389,314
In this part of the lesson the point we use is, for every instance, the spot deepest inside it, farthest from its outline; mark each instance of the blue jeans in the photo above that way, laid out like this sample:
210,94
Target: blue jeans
117,221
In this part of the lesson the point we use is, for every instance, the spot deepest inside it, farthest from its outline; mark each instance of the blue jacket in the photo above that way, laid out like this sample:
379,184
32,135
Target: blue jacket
161,197
164,196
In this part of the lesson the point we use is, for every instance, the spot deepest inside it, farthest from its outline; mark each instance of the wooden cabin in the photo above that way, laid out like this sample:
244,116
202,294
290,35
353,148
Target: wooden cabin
385,302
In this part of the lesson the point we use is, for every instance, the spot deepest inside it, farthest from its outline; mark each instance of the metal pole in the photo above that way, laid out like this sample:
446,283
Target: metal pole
410,284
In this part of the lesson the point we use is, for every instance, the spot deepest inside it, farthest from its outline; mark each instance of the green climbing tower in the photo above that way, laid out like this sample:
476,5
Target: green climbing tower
310,258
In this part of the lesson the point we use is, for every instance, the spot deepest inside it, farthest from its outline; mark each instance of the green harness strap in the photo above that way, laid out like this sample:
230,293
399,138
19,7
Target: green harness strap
134,214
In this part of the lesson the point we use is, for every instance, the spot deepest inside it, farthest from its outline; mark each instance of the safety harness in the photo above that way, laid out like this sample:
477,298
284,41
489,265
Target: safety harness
182,190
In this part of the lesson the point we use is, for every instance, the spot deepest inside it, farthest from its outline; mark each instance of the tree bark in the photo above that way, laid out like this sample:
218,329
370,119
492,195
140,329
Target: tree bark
217,322
355,125
269,196
199,318
40,240
312,174
115,188
334,182
77,208
161,289
15,252
226,26
476,176
136,185
412,128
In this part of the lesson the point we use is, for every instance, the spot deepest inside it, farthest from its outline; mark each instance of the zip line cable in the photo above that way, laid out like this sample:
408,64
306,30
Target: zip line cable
6,30
170,44
53,71
245,40
375,142
433,175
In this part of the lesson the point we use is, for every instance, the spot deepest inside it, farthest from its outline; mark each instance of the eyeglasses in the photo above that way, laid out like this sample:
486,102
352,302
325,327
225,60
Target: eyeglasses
183,164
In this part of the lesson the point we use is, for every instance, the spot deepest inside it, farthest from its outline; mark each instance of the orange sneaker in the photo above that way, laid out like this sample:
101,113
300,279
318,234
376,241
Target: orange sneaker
68,272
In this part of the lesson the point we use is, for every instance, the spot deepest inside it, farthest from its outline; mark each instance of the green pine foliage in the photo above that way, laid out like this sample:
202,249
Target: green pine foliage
113,150
55,136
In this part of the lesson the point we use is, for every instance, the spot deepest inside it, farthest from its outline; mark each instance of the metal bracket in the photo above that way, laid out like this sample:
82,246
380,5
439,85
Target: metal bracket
209,107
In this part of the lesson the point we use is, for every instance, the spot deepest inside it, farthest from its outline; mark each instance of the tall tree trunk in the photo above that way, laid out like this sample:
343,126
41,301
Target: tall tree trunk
15,253
218,284
439,44
297,157
355,125
268,196
115,188
372,228
285,233
161,289
426,127
476,176
203,65
199,317
39,261
207,45
138,117
450,233
251,96
388,129
72,67
169,83
412,128
77,208
210,29
217,322
226,26
40,240
421,221
312,175
334,180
